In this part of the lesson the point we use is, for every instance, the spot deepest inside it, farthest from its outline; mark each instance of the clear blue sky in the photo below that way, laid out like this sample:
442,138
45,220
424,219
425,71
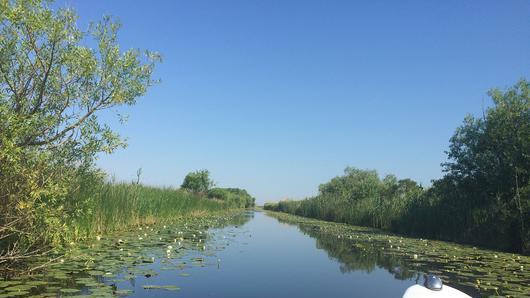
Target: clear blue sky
280,96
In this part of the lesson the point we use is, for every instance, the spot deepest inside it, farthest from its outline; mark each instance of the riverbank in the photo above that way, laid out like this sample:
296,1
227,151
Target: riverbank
483,197
479,272
118,206
93,210
94,267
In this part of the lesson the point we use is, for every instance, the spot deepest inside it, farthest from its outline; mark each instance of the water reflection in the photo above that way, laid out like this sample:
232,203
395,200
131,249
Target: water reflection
113,265
365,250
354,255
255,255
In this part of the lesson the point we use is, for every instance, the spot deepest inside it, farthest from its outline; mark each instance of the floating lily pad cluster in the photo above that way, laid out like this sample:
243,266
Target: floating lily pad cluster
479,272
97,268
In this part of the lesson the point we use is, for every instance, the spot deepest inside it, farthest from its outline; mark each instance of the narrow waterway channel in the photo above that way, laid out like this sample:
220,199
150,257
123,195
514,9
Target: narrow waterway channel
256,254
267,258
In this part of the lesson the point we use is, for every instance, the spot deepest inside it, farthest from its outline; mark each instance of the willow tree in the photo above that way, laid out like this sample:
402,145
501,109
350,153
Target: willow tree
53,85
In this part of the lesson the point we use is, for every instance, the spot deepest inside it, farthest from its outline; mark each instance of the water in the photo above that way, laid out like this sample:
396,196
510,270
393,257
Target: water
266,258
259,255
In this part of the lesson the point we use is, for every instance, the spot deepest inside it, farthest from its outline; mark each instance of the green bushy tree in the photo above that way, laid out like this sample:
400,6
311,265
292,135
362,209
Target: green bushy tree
483,198
198,182
488,172
232,196
52,87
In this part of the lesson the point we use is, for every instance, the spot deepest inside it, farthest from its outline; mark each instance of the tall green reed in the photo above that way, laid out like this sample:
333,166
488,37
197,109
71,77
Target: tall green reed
117,206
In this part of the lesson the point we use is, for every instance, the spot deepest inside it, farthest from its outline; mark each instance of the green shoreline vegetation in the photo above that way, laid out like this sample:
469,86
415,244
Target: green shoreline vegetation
483,198
53,87
478,272
118,206
100,266
58,210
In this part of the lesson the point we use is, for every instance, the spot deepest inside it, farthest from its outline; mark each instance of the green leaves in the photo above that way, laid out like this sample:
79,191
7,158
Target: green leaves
198,182
489,169
236,197
53,85
484,197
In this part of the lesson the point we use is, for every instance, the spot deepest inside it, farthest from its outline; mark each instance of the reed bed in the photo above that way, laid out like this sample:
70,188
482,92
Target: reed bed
117,206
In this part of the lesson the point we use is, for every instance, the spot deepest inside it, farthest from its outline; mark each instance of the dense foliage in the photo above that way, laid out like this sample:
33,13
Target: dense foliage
359,197
232,196
117,206
198,182
484,197
52,87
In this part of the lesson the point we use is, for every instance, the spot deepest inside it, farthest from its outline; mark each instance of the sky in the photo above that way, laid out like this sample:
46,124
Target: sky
280,96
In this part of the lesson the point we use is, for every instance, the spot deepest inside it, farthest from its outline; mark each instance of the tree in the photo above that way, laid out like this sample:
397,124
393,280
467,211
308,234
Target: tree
489,167
52,87
232,196
198,182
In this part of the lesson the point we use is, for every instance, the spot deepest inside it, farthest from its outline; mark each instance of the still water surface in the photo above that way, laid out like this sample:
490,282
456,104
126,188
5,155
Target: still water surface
255,254
266,258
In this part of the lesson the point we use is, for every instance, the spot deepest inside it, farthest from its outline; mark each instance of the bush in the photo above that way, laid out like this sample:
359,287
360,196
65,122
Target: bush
198,182
233,197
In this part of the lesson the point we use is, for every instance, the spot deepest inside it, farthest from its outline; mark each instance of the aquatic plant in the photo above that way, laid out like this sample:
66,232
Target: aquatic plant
479,272
100,268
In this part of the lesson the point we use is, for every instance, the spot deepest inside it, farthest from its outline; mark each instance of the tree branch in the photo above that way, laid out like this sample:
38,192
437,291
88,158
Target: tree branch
73,126
44,81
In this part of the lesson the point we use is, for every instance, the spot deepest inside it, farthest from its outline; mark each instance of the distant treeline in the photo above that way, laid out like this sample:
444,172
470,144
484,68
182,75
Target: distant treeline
232,196
483,198
200,183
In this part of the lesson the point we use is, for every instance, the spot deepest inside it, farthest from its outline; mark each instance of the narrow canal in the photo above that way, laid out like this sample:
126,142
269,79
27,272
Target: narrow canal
256,254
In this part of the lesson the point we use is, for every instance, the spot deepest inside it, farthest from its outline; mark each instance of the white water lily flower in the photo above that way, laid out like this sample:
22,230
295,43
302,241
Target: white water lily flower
415,256
98,237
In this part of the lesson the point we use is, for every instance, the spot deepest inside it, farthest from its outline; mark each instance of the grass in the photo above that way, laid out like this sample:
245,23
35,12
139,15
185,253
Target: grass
117,206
